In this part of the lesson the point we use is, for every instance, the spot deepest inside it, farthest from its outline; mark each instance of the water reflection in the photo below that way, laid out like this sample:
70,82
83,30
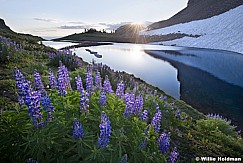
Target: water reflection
206,92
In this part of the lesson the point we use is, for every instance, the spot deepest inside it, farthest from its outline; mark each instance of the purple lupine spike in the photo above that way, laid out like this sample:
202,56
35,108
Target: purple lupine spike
105,131
120,89
77,129
239,132
155,92
107,85
144,144
32,100
102,99
46,103
38,82
173,156
165,105
178,113
52,80
79,84
165,98
31,160
138,105
164,142
21,85
84,100
61,82
130,101
124,159
156,121
98,85
144,116
89,82
66,78
146,97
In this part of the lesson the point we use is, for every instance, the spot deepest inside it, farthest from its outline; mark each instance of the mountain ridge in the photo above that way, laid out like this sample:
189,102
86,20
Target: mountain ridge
197,10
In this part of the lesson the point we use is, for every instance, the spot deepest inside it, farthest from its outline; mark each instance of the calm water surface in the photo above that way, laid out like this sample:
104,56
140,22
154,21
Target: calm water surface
209,80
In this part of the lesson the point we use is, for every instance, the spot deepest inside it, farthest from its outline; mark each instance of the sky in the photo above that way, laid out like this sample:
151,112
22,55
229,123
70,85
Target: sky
57,18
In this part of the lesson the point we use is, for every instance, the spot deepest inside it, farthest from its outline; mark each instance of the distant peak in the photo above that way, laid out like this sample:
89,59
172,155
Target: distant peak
3,25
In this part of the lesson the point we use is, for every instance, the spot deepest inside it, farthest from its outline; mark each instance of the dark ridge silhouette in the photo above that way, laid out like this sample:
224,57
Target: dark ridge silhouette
197,10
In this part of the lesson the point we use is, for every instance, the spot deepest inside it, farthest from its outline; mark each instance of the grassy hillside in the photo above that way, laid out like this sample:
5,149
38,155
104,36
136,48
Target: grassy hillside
76,115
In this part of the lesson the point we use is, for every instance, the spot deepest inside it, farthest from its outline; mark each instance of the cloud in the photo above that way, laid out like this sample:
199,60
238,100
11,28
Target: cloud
74,22
46,20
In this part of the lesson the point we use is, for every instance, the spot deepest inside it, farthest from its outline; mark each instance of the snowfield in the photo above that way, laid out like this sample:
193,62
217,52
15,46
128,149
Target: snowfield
224,31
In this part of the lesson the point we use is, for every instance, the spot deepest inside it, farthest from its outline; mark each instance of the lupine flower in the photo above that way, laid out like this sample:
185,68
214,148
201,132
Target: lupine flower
98,85
32,100
105,131
178,112
66,78
38,82
144,144
146,97
84,100
155,92
239,132
89,82
124,159
156,121
107,85
102,99
79,84
164,143
129,100
46,103
52,80
120,89
77,130
21,84
31,160
218,117
147,129
173,156
61,87
165,97
144,116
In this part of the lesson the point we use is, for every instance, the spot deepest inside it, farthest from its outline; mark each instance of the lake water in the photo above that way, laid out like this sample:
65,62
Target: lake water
209,80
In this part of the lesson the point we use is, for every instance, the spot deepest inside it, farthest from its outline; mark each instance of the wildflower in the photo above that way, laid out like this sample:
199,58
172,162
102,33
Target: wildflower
155,92
38,83
31,160
178,112
52,80
164,142
120,89
173,156
61,87
124,159
144,144
144,116
102,100
32,100
79,84
89,82
98,81
129,100
107,85
105,131
22,85
46,103
84,100
77,130
156,121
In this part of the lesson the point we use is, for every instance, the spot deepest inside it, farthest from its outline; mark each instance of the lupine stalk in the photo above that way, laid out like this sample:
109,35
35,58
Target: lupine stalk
164,143
52,80
107,85
84,100
79,84
61,87
46,103
173,156
38,82
102,99
77,130
89,82
105,131
156,121
98,85
124,159
120,89
144,116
